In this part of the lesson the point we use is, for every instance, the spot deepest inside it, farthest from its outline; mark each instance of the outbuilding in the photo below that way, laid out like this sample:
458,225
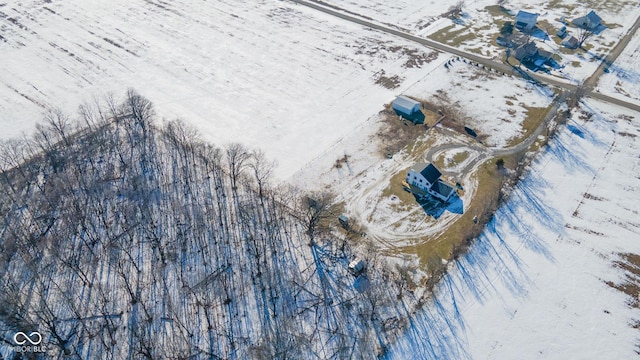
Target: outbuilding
525,21
408,109
571,43
405,105
357,267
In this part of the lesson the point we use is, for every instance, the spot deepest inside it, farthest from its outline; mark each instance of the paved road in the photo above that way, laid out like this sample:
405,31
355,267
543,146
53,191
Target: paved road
613,55
505,68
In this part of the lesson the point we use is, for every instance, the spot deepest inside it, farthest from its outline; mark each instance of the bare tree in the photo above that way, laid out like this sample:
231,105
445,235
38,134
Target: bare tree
315,210
237,157
59,123
262,170
584,34
138,107
455,11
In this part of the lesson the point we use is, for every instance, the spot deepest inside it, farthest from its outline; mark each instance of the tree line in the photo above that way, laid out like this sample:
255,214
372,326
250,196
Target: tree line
124,238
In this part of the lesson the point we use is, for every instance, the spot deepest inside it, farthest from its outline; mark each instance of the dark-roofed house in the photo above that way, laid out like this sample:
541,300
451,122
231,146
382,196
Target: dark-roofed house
525,21
442,190
527,51
408,109
427,180
591,21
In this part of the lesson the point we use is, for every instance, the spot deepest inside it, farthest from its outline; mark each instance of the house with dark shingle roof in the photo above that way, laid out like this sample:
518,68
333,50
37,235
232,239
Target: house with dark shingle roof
427,180
526,52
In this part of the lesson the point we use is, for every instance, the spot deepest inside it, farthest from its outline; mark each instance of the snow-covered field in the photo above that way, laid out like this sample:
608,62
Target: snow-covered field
305,87
272,75
496,105
479,25
623,80
533,285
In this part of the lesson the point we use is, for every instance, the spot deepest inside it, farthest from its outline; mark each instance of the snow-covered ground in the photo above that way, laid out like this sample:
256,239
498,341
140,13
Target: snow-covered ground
302,86
496,105
533,285
476,30
412,15
623,80
272,75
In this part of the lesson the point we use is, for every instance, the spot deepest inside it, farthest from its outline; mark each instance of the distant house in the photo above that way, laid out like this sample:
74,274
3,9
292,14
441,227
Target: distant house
427,180
562,33
525,21
571,42
526,52
591,21
408,109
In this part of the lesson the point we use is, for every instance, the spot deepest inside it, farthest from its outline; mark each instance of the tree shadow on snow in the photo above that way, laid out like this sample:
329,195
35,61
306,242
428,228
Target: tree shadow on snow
492,264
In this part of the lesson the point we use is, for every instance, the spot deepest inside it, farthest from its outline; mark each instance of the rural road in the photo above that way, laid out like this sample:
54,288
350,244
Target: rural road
491,63
362,198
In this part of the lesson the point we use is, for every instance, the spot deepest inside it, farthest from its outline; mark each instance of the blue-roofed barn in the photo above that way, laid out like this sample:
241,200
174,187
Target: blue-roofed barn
525,21
405,105
408,109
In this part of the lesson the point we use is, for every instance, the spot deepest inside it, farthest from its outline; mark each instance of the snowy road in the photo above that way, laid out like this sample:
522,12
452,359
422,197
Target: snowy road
509,69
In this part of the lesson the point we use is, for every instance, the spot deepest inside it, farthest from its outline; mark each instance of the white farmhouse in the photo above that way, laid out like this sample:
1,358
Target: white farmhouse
427,179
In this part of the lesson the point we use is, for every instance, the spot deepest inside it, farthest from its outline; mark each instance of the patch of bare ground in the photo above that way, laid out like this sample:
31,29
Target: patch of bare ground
397,133
584,230
592,197
452,115
415,58
626,134
630,264
389,82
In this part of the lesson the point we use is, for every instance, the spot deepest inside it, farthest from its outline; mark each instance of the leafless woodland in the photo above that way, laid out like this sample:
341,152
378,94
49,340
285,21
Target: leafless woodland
123,238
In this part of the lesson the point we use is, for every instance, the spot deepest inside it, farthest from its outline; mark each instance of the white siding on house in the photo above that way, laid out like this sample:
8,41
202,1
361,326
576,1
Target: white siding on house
416,179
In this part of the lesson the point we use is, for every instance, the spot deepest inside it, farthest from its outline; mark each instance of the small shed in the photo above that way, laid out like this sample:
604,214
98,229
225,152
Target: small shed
344,221
571,43
562,33
525,21
357,267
